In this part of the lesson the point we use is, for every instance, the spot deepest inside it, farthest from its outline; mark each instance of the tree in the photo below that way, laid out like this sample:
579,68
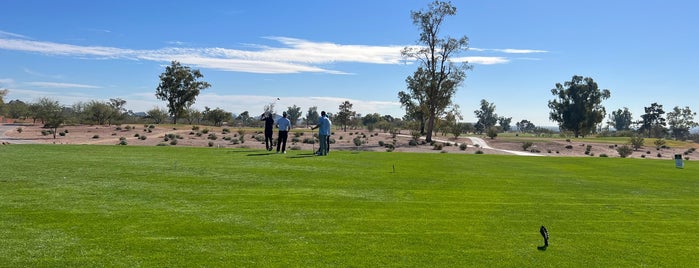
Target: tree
312,116
193,116
653,121
504,123
98,112
344,116
245,118
179,86
3,93
525,126
578,106
17,109
157,114
435,81
681,121
118,110
216,116
486,115
294,113
51,114
621,119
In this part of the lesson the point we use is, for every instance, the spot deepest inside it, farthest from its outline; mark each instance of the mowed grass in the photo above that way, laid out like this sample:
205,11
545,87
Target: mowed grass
131,206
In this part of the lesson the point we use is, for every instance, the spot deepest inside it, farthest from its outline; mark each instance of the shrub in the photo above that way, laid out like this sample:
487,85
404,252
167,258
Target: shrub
659,143
205,131
463,146
122,138
357,141
212,136
381,143
298,134
136,135
225,131
62,134
173,142
603,155
309,140
96,136
479,152
526,145
151,126
195,128
636,142
123,142
624,151
569,146
19,129
437,146
659,155
161,144
412,143
211,144
143,137
295,140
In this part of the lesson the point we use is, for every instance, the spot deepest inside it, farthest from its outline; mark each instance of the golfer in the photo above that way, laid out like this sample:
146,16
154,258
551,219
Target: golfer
284,126
269,129
324,133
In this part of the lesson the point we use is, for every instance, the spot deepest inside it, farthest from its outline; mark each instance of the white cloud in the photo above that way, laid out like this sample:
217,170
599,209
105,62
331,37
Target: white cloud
13,35
293,56
59,85
509,50
482,60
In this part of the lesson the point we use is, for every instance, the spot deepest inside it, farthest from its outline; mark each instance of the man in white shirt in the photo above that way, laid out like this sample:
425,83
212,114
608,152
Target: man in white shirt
284,125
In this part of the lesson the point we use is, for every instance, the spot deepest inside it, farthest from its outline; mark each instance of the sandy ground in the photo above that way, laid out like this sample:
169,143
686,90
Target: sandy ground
111,135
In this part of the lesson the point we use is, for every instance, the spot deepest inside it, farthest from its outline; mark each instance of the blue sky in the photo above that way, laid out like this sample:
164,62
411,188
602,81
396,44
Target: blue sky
321,53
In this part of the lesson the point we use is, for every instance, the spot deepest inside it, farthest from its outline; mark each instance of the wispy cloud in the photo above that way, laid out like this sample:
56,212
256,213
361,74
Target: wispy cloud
509,50
293,55
482,60
59,85
12,35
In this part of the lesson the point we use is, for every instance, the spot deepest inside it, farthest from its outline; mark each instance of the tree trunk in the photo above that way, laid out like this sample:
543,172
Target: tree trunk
430,127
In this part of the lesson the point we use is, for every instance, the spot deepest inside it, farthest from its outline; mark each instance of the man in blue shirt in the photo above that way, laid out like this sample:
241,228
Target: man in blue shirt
284,125
324,133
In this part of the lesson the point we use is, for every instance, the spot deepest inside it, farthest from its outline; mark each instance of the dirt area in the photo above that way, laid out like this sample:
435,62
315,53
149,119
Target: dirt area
187,135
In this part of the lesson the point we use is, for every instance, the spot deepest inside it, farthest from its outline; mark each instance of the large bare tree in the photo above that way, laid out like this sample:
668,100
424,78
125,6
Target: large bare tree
434,83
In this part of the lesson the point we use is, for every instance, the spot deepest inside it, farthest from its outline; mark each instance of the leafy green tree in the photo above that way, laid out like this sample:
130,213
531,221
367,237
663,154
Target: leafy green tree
578,105
370,120
653,121
293,113
216,116
621,119
179,86
118,110
157,114
98,112
486,115
681,121
51,114
312,116
434,83
245,118
504,123
17,109
525,126
344,116
193,116
3,109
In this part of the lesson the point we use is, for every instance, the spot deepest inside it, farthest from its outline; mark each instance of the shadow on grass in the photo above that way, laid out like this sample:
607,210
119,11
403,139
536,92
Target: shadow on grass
306,155
262,154
542,248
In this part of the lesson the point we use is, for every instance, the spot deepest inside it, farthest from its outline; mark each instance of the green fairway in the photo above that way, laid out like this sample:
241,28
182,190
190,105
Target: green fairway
136,206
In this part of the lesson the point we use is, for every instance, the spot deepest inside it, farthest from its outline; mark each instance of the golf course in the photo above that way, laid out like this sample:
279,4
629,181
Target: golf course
169,206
